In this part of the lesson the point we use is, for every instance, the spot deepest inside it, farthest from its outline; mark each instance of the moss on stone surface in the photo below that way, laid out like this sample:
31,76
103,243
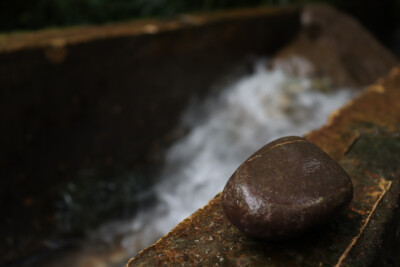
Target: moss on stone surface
376,144
364,138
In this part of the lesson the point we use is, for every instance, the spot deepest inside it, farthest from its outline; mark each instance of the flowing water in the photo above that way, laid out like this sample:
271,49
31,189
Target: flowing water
223,131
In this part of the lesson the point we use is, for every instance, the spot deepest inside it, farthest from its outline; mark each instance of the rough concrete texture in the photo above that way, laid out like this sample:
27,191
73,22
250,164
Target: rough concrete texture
364,137
333,44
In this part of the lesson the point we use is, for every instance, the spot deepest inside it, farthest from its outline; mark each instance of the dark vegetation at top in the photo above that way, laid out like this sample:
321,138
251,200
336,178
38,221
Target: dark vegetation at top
36,14
382,18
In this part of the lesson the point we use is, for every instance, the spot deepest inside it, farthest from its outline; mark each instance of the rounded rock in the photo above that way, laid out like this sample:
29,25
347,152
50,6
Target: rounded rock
285,188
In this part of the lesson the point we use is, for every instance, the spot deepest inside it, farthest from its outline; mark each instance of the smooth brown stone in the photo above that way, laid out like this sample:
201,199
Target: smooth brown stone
285,188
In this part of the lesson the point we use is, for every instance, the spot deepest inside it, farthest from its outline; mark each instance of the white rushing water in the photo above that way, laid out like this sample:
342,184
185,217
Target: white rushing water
224,131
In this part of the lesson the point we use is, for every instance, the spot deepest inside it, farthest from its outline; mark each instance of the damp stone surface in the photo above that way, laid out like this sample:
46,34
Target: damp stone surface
364,138
285,188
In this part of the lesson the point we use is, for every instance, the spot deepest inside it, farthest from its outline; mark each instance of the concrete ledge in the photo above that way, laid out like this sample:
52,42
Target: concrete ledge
80,34
364,137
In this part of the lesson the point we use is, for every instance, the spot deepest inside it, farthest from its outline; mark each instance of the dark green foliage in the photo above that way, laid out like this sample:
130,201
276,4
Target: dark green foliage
34,14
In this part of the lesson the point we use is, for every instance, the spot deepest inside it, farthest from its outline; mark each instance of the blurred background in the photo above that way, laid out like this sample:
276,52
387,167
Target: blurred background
122,117
380,17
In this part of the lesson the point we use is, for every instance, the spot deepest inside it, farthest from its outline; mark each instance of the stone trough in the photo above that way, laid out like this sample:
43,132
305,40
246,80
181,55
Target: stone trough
74,99
363,137
84,103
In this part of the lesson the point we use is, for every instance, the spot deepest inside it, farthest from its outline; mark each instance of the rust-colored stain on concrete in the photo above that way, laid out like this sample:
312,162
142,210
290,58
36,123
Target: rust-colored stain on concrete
364,137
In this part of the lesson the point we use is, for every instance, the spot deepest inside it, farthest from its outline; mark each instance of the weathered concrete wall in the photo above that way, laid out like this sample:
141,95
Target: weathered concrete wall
105,98
92,96
332,44
364,137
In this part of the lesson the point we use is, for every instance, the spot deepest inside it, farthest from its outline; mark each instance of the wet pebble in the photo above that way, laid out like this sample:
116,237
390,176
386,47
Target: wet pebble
285,188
